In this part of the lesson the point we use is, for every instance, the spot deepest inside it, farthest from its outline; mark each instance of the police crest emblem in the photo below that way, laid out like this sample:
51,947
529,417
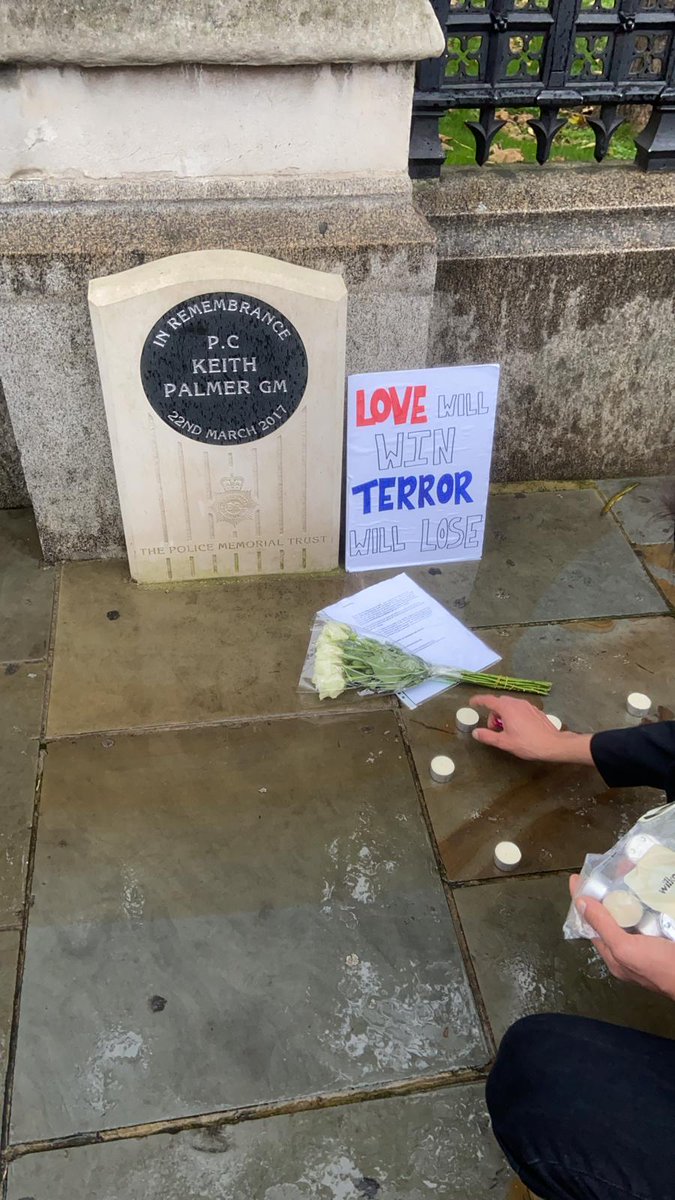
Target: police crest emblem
234,504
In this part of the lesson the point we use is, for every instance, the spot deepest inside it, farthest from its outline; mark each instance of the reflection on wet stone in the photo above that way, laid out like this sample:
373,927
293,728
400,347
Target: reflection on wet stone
176,657
215,1140
556,813
233,916
565,561
250,952
27,589
436,1144
644,511
21,692
524,966
370,1188
9,957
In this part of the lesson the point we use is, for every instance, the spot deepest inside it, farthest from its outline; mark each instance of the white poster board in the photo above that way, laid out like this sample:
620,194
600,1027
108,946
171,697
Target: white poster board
419,447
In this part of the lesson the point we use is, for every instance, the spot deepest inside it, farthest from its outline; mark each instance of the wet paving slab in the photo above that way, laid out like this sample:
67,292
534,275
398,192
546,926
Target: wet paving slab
26,589
21,695
129,656
647,516
548,556
644,511
233,916
524,965
401,1148
556,813
9,957
659,560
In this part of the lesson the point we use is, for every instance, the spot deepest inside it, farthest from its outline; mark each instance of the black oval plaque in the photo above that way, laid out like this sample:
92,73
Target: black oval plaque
224,368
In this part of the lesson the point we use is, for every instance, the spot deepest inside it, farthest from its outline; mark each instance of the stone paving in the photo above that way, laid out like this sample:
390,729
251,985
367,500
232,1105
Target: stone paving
248,949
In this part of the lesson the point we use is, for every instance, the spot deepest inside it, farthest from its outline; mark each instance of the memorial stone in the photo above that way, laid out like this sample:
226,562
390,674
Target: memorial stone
223,383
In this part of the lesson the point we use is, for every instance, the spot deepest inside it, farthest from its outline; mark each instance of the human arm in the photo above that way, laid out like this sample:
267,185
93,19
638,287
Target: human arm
642,755
632,957
521,729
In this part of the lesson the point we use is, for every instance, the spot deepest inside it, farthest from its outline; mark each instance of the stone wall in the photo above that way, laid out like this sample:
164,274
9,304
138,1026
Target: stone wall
107,33
137,130
49,249
199,88
564,276
13,490
204,121
289,137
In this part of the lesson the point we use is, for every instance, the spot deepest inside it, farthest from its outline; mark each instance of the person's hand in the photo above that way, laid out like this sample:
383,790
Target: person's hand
521,729
632,957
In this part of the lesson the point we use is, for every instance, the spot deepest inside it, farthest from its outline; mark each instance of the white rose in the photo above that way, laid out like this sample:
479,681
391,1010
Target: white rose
327,650
327,654
335,631
328,680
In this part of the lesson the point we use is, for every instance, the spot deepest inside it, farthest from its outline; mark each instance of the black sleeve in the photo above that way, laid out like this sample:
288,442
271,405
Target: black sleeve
641,756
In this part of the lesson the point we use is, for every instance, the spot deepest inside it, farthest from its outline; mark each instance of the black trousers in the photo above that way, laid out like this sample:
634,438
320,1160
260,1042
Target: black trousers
584,1110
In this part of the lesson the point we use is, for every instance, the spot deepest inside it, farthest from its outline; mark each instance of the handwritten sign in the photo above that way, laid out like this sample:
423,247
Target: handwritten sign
419,446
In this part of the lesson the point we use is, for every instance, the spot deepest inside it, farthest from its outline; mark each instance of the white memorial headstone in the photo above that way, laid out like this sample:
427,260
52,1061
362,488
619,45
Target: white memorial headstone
223,382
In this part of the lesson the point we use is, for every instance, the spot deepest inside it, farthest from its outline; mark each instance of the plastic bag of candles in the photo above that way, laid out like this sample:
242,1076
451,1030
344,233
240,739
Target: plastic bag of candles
635,880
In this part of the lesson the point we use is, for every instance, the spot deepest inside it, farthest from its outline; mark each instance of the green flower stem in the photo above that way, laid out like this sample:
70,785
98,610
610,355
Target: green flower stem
502,683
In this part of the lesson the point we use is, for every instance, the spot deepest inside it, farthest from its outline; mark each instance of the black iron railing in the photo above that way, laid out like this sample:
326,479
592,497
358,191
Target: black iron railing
549,54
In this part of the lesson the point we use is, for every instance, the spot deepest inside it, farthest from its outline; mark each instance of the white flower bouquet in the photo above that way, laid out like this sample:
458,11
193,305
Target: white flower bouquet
339,658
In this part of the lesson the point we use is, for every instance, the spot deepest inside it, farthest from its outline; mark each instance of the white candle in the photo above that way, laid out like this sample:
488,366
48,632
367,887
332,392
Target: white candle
638,704
442,768
637,846
649,925
667,925
625,908
466,719
507,856
595,886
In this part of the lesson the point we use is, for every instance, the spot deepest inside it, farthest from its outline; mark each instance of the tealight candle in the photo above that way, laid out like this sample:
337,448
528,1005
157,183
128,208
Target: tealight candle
466,719
625,908
507,856
637,846
667,926
441,768
649,925
638,704
555,721
595,886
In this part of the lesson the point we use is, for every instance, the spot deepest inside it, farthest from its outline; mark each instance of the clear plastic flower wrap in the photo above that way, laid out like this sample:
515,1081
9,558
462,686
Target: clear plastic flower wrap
635,880
338,658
